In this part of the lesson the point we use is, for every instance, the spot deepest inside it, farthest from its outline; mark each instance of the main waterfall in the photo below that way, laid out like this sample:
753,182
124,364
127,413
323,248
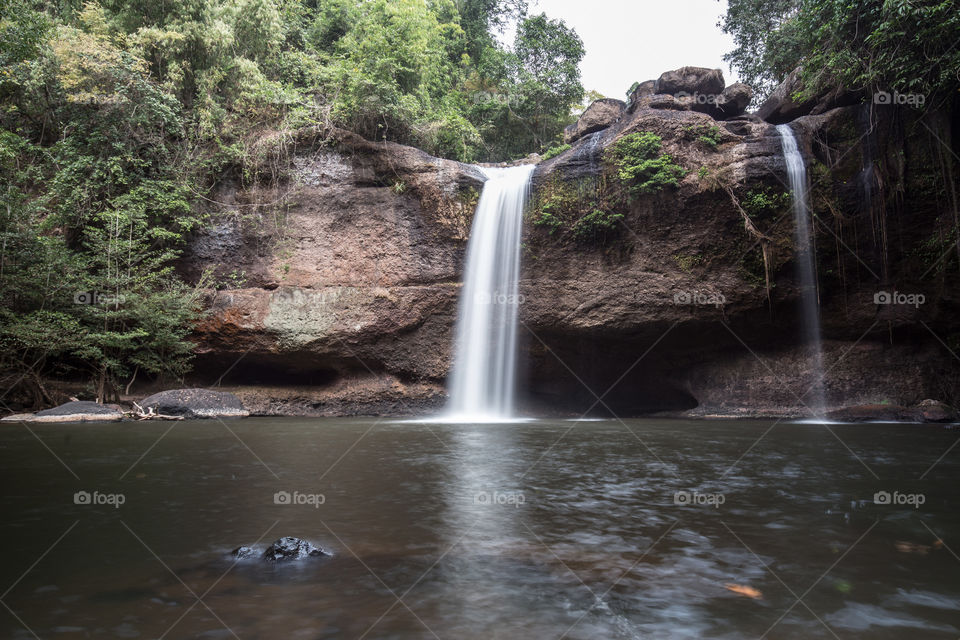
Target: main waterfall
484,369
806,265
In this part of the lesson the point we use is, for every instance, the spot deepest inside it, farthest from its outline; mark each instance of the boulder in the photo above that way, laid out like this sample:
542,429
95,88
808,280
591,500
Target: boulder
77,411
600,115
733,101
936,411
642,90
195,403
289,548
691,81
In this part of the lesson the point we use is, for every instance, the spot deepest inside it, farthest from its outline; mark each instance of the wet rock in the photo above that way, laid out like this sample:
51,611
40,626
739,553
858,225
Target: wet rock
600,115
195,403
289,548
242,552
78,411
876,413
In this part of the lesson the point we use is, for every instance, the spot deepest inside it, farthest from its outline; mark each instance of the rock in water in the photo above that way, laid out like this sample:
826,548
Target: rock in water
195,403
289,548
77,411
242,552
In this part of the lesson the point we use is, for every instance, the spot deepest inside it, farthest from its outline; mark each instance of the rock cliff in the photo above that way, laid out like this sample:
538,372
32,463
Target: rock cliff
337,286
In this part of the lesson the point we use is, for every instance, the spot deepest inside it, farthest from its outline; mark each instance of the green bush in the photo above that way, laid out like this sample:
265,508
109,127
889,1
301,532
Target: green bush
554,151
641,166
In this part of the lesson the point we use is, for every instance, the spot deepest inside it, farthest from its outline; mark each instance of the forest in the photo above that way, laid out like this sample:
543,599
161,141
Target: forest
119,118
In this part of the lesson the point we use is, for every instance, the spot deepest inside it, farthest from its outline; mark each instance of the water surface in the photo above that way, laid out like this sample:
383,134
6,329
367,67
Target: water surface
544,529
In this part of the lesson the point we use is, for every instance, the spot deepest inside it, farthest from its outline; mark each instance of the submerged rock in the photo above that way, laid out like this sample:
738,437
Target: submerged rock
76,411
195,403
242,552
289,548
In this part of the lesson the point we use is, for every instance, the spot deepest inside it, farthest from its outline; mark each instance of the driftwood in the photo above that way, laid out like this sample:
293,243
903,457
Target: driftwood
150,414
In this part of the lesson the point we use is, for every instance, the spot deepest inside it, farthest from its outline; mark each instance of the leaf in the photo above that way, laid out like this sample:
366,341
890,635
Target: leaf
742,590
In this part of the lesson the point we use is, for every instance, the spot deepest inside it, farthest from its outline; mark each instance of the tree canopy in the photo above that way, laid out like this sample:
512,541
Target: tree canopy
908,46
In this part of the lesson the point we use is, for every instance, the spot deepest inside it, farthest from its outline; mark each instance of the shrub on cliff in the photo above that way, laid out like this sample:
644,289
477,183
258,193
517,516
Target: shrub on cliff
641,166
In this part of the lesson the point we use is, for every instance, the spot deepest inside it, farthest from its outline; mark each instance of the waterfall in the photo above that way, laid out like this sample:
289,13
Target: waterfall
806,262
484,369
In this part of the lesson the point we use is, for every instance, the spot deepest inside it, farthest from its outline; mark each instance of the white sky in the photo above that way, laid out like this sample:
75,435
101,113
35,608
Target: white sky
637,40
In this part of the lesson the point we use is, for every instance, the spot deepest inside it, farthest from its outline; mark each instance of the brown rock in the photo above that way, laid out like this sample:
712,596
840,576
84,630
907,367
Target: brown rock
600,115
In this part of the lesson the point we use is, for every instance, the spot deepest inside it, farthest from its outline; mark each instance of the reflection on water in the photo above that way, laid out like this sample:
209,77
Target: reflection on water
545,529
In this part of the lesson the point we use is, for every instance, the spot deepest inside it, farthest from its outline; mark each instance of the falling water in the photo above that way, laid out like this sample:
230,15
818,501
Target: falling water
806,266
484,369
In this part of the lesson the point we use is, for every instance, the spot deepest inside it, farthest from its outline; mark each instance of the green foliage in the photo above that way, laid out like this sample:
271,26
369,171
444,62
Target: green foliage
596,225
765,204
641,166
555,150
905,46
707,134
587,211
703,173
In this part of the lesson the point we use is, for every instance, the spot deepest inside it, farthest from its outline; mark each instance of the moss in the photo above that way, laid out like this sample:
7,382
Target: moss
688,262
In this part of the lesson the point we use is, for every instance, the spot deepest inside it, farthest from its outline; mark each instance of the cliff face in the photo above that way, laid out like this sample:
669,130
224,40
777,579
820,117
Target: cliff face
339,287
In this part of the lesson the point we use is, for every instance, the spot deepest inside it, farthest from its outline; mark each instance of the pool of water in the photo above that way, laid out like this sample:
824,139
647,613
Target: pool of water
542,529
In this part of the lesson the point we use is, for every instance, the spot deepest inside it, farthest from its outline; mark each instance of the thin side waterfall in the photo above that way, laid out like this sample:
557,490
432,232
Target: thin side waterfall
806,265
483,379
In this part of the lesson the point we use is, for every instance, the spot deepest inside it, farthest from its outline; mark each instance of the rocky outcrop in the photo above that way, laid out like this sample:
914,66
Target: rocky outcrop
76,411
195,404
337,289
926,411
600,115
783,105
